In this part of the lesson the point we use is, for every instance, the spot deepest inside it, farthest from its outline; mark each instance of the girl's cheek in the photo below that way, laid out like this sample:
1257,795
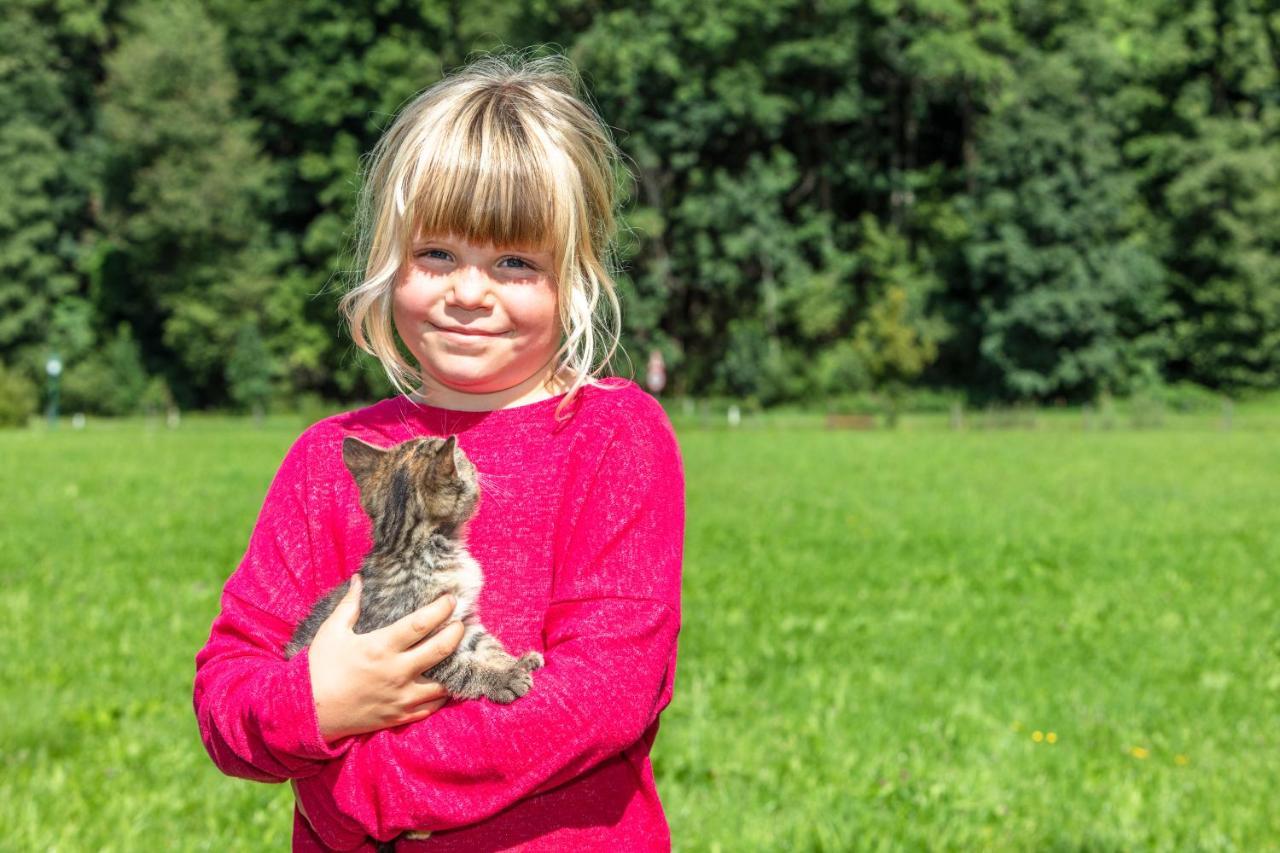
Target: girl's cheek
411,298
545,325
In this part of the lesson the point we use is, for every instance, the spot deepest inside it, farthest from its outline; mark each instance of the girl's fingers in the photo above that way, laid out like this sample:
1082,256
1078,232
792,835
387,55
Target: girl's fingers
408,631
424,679
348,610
430,692
435,648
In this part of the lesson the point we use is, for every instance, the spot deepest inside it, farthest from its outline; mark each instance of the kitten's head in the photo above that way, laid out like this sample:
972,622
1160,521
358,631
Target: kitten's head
424,481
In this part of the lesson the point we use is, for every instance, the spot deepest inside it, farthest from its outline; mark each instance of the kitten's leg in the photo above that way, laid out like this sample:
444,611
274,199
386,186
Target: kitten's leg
306,631
481,666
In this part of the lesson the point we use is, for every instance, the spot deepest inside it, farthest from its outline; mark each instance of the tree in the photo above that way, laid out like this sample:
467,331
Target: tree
1086,191
48,60
17,398
1066,295
1226,204
110,380
185,251
894,336
1206,157
249,371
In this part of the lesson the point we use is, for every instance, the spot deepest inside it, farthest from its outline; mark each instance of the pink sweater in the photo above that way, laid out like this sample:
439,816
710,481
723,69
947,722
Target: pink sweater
579,531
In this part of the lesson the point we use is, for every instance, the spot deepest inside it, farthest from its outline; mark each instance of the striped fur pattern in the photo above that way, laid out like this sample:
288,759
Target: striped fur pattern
419,495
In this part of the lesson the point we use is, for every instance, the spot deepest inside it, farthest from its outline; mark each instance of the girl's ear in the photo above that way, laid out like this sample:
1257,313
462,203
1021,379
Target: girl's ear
361,459
446,463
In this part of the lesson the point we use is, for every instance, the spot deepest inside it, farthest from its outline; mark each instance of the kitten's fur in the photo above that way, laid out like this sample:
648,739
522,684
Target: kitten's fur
419,494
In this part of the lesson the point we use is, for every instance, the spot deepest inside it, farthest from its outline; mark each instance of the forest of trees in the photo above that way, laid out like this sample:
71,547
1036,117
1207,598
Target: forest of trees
1017,199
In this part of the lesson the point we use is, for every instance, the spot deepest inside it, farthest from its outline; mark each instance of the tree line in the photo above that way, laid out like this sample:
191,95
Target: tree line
1019,199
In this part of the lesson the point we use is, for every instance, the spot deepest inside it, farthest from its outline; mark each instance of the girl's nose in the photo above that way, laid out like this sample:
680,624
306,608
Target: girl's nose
469,287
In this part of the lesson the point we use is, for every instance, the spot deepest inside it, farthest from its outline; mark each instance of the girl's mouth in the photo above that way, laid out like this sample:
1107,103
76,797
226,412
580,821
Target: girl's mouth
464,332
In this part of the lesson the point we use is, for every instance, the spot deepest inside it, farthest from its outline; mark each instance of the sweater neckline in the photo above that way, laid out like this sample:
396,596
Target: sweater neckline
463,418
542,413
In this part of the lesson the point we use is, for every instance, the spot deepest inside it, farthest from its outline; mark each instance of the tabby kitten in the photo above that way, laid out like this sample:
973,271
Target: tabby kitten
418,495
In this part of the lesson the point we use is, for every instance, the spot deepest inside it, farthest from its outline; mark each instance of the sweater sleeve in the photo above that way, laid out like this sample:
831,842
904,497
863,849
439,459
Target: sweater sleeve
609,644
255,709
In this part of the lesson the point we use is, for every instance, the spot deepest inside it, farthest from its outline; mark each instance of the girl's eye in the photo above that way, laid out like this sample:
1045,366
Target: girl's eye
519,263
440,254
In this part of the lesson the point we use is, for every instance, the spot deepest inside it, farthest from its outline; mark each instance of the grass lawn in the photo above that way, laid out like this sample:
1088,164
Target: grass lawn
1015,639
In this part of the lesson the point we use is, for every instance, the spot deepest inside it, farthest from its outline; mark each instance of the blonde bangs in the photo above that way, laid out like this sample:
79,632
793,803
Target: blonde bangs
483,177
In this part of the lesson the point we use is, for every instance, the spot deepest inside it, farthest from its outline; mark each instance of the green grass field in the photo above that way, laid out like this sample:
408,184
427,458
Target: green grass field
1015,639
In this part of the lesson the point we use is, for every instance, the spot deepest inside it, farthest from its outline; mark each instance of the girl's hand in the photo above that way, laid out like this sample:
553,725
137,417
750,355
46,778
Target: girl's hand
365,682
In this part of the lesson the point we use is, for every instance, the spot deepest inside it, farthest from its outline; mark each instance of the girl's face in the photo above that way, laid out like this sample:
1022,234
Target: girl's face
478,319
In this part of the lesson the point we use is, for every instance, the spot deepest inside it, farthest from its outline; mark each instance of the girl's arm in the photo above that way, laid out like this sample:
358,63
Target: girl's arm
610,637
255,710
256,715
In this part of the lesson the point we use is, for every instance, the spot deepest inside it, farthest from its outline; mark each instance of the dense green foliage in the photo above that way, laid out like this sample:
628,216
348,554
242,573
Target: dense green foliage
867,670
17,398
1021,200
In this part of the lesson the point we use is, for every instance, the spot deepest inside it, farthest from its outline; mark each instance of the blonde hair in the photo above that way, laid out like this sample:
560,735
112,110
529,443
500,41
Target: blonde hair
505,151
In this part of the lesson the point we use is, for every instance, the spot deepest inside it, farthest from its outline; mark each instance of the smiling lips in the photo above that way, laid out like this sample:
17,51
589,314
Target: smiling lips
476,333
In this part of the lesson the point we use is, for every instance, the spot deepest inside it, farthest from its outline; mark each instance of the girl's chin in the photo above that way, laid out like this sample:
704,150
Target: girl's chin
463,384
463,381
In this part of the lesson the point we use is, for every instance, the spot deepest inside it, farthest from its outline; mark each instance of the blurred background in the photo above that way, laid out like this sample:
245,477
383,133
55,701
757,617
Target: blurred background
993,200
1041,239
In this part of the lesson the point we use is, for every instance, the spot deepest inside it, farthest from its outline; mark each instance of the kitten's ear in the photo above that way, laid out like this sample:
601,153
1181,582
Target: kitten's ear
446,464
361,459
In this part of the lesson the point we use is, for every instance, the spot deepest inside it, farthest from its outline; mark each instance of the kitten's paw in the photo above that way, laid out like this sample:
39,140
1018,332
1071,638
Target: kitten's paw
530,661
515,683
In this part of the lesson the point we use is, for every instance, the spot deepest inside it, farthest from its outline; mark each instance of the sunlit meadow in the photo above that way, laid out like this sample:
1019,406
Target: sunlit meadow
1026,639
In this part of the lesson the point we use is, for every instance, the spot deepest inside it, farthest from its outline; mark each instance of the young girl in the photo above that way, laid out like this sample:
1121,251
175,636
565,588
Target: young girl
488,218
